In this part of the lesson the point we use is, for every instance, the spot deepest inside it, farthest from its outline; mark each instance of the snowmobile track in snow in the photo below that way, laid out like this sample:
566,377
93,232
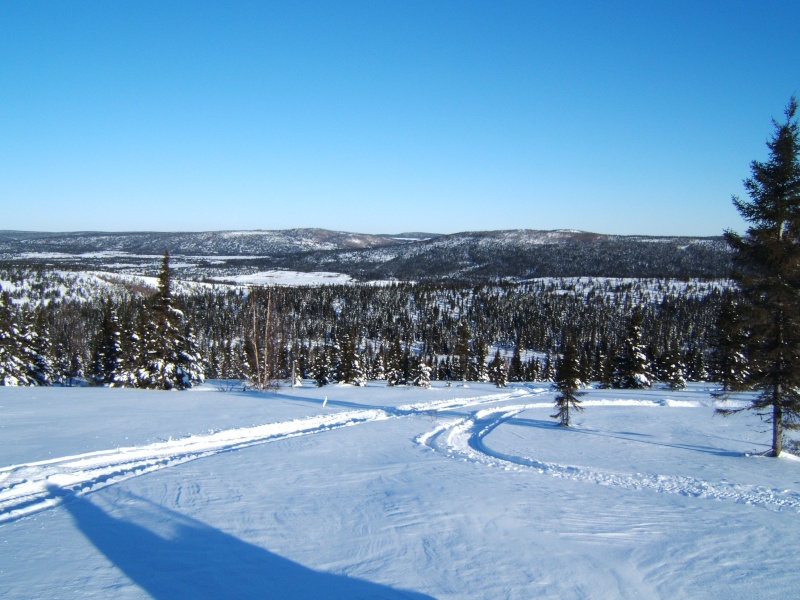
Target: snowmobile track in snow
31,487
464,439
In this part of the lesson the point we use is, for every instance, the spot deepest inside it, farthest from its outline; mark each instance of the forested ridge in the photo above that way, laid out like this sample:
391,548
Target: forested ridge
362,331
468,257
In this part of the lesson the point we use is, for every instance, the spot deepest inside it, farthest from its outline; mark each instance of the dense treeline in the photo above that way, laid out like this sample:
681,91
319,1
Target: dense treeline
467,257
402,332
137,341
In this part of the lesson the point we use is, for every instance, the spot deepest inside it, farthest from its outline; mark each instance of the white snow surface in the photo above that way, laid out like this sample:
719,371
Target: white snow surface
283,277
389,493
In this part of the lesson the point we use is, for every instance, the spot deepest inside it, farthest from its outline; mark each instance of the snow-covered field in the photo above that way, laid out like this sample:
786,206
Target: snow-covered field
376,492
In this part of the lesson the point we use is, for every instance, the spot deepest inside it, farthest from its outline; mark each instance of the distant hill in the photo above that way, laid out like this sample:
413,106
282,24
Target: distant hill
207,243
474,256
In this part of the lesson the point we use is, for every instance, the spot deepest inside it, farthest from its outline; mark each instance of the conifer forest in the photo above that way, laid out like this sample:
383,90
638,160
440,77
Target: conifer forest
404,333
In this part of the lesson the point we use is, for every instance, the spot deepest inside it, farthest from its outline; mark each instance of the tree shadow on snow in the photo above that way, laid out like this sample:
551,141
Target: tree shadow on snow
173,556
623,435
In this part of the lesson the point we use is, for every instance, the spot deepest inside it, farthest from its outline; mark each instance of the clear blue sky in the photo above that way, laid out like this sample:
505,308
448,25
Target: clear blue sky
384,116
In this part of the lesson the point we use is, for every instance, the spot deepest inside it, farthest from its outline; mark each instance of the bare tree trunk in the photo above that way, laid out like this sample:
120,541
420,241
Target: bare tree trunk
777,422
266,373
255,341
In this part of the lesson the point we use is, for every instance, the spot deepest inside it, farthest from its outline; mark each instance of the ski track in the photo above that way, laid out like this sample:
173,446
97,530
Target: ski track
31,487
463,439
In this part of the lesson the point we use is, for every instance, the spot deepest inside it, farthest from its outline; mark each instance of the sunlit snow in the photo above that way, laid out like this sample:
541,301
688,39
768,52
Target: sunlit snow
376,492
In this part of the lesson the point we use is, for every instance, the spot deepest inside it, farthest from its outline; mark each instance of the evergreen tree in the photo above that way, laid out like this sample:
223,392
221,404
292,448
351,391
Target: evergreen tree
107,349
481,368
379,366
422,374
533,370
633,367
464,354
133,344
729,347
567,383
498,372
322,367
172,360
352,371
39,357
14,368
394,369
768,271
515,369
673,371
548,371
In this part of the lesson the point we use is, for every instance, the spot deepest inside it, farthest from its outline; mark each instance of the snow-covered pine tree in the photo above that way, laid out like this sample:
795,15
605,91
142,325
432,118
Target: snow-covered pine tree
533,370
37,339
633,367
351,369
172,360
498,371
322,366
422,373
133,342
107,349
394,369
567,383
673,370
378,370
14,352
515,370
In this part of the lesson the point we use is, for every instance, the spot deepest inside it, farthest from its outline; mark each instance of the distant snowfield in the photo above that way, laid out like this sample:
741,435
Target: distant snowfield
281,277
389,493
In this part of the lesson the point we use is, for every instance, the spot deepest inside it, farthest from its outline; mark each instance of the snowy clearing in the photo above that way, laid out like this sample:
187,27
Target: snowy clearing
384,492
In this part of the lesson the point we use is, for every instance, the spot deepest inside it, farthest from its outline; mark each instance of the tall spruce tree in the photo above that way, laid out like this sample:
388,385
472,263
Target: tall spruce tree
567,383
729,347
767,260
107,349
633,367
498,371
171,359
14,353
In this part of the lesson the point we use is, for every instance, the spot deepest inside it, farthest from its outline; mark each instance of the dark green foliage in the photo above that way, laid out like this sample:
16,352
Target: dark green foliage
170,356
391,326
730,346
567,383
633,367
672,370
498,371
15,353
107,349
767,258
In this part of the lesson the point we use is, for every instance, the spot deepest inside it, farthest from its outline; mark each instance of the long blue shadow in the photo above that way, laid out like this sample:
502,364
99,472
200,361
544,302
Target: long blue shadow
623,435
200,562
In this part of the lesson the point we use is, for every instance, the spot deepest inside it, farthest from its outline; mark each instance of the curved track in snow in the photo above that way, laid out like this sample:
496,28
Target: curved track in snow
31,487
464,439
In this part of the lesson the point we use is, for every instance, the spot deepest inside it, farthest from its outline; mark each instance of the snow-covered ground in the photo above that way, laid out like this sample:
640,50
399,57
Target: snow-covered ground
284,277
376,492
